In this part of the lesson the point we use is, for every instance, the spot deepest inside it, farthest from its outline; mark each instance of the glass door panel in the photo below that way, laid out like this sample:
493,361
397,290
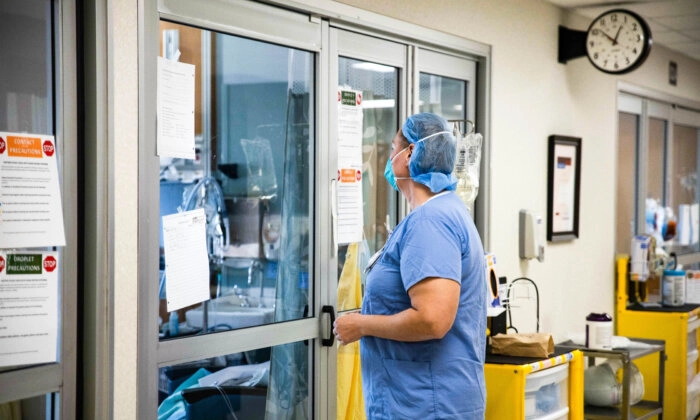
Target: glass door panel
656,158
379,85
443,96
376,68
685,197
628,133
252,175
446,86
238,386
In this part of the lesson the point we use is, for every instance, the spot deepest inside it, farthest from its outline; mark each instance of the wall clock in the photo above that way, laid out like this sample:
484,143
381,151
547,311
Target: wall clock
616,42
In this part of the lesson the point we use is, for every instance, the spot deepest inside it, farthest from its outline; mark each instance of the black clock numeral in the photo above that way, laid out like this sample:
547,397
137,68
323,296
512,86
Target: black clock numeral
613,17
634,50
634,26
627,60
616,66
595,32
595,56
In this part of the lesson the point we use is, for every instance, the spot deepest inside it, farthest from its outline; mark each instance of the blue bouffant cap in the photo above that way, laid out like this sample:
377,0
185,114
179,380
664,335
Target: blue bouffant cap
434,153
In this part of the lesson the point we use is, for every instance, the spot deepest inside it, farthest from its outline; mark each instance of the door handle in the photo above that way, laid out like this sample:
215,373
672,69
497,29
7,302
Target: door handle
328,309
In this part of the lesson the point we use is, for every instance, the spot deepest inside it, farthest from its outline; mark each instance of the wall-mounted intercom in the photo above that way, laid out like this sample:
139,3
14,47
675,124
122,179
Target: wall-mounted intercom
531,243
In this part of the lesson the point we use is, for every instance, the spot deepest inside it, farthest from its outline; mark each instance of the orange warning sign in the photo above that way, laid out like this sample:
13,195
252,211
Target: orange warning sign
28,147
347,175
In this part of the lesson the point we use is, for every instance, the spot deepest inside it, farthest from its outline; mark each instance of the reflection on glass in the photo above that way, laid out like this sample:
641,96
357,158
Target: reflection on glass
443,96
252,175
26,85
254,384
39,407
655,160
379,86
626,181
685,197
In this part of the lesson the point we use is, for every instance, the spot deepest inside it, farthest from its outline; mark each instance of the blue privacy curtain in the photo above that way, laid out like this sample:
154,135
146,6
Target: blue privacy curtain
288,392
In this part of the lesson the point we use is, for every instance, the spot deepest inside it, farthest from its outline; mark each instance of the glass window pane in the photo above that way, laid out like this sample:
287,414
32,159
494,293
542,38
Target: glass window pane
656,160
27,106
263,383
379,86
26,85
252,175
443,96
626,181
34,408
684,182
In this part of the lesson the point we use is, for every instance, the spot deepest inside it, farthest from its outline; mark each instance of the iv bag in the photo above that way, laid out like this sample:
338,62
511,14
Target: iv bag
261,176
467,167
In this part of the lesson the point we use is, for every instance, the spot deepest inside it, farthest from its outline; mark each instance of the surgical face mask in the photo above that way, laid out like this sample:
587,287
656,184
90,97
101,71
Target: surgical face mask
389,171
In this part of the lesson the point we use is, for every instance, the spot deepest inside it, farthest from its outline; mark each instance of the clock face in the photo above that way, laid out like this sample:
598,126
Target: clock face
618,41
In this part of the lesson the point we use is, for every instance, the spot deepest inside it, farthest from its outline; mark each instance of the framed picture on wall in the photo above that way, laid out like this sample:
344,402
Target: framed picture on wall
563,188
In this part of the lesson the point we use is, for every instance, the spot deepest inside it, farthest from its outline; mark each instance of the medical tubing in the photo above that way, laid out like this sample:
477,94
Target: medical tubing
228,403
537,301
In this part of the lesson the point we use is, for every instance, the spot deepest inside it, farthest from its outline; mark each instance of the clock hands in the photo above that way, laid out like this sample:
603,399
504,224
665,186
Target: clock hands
616,35
613,40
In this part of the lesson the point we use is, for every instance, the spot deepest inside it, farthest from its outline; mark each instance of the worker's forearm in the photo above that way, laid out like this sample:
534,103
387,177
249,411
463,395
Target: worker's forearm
403,326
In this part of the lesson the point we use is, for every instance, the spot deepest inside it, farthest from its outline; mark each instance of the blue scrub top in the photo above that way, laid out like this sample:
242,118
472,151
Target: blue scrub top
434,379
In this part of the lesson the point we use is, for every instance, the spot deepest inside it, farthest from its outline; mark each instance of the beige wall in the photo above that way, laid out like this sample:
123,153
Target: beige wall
533,96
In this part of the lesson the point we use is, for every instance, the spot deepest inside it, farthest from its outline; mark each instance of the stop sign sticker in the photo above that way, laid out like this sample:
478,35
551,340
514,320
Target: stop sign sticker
49,263
2,264
48,148
3,145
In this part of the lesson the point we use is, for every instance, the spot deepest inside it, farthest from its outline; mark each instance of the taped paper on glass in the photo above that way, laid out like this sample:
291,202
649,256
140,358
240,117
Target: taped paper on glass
28,308
31,215
349,195
186,259
175,109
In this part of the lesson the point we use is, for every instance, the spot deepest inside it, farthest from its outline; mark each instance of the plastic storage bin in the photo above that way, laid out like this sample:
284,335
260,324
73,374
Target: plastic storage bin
692,361
546,393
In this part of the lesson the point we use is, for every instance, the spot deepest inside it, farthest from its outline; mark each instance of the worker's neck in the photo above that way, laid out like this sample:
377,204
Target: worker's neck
417,194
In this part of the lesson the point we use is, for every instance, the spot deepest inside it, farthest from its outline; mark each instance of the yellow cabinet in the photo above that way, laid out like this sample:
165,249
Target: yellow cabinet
549,389
678,327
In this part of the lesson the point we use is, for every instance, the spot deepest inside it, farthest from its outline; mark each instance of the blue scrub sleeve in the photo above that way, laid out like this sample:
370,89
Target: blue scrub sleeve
430,249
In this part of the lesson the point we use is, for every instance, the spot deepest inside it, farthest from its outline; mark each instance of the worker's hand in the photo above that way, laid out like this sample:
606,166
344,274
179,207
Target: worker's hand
347,328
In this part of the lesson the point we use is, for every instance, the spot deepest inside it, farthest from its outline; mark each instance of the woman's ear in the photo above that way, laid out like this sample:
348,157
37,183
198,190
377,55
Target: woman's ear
410,150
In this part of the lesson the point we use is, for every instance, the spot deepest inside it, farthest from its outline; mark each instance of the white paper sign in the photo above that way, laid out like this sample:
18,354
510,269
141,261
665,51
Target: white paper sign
28,308
186,259
692,286
350,214
175,109
30,198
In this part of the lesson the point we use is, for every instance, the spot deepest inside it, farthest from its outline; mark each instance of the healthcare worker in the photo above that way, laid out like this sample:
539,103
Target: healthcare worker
423,320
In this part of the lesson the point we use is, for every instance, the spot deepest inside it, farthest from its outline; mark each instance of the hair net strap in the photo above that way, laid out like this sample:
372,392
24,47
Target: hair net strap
433,135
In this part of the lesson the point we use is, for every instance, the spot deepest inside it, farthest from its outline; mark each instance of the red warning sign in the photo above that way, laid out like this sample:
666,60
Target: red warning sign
49,263
48,148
